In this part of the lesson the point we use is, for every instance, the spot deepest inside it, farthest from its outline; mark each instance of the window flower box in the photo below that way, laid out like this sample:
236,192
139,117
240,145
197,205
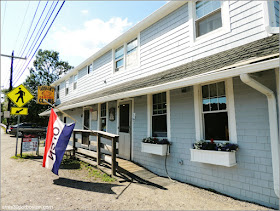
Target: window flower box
155,146
222,154
156,149
221,158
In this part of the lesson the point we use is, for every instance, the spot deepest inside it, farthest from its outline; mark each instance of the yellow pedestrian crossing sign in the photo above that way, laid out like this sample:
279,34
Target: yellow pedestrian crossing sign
19,111
20,95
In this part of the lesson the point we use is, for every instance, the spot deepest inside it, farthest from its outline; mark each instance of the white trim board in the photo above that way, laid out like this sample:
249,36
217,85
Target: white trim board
190,81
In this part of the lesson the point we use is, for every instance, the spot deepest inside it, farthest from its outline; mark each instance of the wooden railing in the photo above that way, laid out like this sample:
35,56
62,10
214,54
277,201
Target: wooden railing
103,152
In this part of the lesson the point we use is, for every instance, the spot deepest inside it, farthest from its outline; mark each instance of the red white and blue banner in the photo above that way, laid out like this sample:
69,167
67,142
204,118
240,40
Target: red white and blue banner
57,139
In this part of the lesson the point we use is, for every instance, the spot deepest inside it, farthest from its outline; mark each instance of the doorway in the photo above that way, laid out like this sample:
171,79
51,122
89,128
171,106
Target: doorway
125,130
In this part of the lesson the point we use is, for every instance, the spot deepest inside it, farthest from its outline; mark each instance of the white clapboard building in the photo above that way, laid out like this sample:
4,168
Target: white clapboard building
192,70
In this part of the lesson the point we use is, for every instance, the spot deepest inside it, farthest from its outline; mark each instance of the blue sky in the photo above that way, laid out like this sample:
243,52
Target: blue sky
80,29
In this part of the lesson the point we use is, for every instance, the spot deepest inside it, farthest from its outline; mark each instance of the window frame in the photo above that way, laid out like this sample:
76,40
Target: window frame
150,114
67,87
102,117
194,40
90,68
57,92
75,81
120,58
199,118
124,45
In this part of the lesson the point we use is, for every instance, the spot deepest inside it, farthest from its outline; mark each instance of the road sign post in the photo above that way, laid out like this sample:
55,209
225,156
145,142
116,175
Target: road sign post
17,134
19,96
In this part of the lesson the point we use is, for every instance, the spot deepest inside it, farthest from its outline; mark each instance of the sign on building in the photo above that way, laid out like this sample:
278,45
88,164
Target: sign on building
45,93
29,144
20,95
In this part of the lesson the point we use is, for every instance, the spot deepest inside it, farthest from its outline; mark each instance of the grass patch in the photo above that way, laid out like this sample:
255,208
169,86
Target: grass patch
70,163
26,156
96,173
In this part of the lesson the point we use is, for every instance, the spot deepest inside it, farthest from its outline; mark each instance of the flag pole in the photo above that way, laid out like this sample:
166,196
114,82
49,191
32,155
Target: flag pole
61,111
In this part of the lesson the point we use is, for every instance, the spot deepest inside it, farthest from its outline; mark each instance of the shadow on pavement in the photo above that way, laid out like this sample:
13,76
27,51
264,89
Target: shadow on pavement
125,174
88,186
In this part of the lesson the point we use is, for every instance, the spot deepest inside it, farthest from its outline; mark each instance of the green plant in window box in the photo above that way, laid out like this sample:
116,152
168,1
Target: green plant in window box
154,140
205,145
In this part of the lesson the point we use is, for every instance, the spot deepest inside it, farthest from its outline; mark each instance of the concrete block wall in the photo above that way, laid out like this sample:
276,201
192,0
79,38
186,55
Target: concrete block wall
251,179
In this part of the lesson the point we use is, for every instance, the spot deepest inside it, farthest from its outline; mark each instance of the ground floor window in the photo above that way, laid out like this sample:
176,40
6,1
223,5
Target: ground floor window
159,115
103,116
214,111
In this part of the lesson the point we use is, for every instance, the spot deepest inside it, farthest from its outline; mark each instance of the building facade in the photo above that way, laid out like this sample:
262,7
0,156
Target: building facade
190,71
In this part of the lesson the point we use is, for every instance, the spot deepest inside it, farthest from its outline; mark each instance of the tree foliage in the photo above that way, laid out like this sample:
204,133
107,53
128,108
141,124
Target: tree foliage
46,69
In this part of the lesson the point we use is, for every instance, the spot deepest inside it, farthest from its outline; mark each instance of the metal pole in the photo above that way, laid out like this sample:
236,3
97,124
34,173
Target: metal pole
17,134
11,82
10,88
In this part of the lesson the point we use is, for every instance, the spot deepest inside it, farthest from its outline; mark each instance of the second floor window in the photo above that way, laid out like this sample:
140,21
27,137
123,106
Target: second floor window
131,46
57,92
67,87
75,81
90,68
119,60
208,17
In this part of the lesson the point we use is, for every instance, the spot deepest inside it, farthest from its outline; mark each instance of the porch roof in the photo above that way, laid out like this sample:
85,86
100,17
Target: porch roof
252,57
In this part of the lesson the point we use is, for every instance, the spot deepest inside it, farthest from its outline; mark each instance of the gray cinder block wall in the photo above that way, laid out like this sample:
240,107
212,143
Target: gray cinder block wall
251,179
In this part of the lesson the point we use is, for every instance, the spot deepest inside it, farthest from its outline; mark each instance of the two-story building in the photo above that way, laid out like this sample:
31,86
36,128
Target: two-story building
192,70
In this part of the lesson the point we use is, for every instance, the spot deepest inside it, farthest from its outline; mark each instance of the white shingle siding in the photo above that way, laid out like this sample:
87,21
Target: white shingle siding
168,43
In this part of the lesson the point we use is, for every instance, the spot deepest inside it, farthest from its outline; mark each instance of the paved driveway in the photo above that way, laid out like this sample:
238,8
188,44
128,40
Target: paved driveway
26,185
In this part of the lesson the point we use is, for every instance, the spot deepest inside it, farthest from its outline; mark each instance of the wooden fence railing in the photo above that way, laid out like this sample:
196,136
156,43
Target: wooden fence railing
103,151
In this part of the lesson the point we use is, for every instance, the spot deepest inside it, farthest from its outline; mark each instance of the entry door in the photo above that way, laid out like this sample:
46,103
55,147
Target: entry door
85,138
125,130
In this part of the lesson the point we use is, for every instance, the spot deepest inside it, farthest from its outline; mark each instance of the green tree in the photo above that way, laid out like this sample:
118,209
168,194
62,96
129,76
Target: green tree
46,69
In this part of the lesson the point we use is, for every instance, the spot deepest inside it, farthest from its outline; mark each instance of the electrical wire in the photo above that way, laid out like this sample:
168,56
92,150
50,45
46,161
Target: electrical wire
36,34
28,31
21,53
37,37
4,17
22,24
42,38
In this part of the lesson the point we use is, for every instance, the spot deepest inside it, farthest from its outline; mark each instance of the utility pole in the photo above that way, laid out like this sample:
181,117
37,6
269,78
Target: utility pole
11,81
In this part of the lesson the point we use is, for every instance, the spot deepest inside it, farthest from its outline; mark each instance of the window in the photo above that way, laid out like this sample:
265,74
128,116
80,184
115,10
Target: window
57,92
90,68
119,53
214,110
131,46
75,81
65,120
208,17
159,117
103,116
67,87
126,56
276,10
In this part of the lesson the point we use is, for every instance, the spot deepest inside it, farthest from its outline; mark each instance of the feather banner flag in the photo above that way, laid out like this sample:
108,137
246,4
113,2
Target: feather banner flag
58,135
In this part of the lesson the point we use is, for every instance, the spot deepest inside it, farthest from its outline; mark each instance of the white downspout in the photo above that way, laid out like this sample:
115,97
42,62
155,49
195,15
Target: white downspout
245,78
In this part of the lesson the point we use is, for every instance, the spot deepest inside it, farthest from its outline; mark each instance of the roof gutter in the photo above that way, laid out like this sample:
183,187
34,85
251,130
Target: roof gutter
272,111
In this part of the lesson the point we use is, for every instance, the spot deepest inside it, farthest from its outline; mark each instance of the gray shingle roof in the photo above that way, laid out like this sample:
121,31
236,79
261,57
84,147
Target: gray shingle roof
263,47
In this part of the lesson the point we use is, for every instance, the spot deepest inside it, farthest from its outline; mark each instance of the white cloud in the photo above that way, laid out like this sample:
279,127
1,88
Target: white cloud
90,38
84,11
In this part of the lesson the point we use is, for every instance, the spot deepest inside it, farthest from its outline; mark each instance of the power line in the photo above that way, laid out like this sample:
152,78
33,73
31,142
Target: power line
29,28
38,37
22,23
43,38
33,32
4,17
